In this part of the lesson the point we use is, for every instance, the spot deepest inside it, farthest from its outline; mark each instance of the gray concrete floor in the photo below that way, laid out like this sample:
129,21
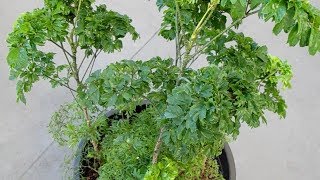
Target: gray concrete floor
282,150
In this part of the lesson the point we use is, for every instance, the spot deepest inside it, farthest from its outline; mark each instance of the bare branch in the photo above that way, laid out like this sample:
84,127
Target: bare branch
252,13
156,150
91,64
196,55
146,43
61,84
85,56
61,47
177,39
94,62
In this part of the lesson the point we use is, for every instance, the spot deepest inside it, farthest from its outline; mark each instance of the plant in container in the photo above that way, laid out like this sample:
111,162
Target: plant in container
169,121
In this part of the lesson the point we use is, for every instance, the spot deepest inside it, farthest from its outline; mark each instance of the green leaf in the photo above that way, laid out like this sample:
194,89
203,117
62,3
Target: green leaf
223,3
277,28
191,123
304,41
17,58
243,2
112,101
233,1
173,112
314,41
237,10
255,3
294,37
160,4
281,11
127,96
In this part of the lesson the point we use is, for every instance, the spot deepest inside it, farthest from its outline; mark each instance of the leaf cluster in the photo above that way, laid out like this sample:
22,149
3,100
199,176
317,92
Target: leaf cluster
75,22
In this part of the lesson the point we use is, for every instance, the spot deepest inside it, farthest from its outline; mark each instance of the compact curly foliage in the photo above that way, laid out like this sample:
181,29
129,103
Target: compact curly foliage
190,113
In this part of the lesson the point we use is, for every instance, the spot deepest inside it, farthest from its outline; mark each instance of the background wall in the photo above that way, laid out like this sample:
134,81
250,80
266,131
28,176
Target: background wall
282,150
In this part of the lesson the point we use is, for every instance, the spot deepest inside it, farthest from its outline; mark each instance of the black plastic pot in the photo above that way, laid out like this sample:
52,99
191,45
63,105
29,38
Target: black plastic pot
225,160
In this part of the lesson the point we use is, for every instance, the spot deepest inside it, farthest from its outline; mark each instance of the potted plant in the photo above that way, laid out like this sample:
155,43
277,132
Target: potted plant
169,121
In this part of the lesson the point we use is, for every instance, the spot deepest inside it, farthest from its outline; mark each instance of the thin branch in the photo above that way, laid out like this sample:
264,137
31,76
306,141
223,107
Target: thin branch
61,47
247,7
88,67
156,150
215,38
94,57
61,84
200,25
177,39
74,97
147,42
85,56
93,142
65,54
196,55
94,62
253,12
194,58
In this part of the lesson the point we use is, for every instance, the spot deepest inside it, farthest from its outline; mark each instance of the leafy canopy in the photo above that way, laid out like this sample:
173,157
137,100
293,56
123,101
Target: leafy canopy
78,23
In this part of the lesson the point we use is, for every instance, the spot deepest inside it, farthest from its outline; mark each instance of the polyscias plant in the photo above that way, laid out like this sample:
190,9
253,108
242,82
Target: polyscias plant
191,112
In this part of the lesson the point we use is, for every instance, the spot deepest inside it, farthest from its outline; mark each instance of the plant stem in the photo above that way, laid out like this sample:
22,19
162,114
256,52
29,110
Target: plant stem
216,37
94,143
253,12
94,57
94,63
156,150
61,84
197,54
203,170
84,58
189,45
74,65
61,47
177,39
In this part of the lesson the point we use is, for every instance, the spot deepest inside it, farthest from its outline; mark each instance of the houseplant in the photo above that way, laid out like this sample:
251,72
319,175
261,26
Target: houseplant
190,113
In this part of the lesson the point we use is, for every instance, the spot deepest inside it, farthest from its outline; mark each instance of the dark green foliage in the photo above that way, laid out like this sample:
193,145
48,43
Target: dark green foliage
103,29
125,84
